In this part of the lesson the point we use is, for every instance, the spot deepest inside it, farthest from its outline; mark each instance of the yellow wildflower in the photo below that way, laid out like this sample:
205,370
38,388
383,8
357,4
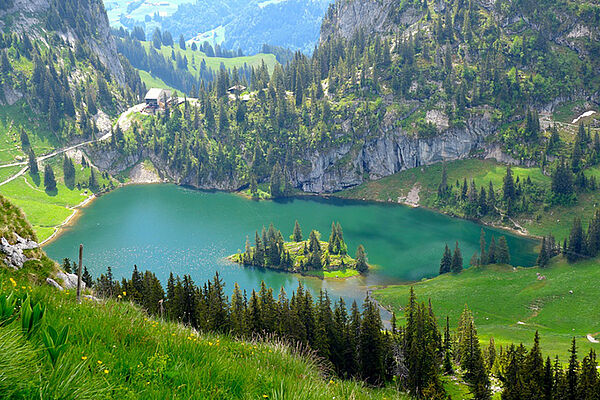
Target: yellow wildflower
106,371
83,358
124,293
13,282
119,296
23,287
99,362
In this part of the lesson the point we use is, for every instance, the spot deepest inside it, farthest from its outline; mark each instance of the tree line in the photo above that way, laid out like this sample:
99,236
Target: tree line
413,356
269,251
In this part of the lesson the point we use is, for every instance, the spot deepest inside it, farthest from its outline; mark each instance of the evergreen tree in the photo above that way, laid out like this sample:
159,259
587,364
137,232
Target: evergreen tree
508,189
49,180
446,262
572,373
87,277
457,260
491,254
297,232
32,163
482,245
68,171
576,247
543,257
361,260
502,252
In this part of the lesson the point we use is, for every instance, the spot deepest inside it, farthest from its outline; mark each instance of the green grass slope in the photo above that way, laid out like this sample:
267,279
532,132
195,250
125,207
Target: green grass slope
510,304
555,219
195,58
116,351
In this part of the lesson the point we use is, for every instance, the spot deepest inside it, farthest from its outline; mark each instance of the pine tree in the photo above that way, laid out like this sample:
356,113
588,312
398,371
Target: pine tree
508,190
576,247
371,345
446,262
482,245
33,165
534,371
457,260
572,372
297,232
543,258
49,180
361,260
68,171
491,254
502,251
87,277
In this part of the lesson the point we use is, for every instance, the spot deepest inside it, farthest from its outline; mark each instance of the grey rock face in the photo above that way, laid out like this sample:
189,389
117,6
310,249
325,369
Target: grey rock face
53,283
390,152
69,280
349,16
14,252
25,16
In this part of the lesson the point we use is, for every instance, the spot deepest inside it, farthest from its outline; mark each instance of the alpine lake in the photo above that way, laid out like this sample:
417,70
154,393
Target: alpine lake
167,228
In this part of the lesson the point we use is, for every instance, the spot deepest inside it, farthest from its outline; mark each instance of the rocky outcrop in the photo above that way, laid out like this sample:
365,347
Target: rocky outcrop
69,280
14,255
390,152
29,16
345,18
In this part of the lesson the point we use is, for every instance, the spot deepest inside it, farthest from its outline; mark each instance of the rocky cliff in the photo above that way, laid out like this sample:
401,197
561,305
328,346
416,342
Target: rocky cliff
74,21
391,151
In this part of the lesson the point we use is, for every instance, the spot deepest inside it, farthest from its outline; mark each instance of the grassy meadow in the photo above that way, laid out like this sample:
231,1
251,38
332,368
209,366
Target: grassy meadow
115,351
195,58
510,304
557,220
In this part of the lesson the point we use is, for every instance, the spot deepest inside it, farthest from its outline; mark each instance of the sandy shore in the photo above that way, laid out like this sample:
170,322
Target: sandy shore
71,219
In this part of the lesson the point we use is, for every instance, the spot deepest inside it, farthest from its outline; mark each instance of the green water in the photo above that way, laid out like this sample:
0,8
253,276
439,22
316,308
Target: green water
166,228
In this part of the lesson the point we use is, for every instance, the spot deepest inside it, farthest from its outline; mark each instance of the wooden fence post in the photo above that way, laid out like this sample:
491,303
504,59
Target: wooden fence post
79,273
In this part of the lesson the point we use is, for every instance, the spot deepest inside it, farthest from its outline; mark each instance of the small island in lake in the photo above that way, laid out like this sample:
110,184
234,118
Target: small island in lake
309,257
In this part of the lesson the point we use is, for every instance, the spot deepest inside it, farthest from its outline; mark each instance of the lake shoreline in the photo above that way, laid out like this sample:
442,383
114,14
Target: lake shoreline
304,195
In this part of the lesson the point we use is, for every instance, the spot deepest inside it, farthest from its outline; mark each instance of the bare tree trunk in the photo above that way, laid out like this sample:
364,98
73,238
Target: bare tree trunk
79,273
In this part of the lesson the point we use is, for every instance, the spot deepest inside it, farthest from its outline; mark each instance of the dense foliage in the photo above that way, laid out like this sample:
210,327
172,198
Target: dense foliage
271,251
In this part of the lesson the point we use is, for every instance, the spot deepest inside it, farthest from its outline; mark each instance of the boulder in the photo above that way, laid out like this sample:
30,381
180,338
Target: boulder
52,282
14,252
69,280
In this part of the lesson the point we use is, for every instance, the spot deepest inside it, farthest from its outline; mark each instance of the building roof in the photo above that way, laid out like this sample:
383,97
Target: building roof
239,88
156,93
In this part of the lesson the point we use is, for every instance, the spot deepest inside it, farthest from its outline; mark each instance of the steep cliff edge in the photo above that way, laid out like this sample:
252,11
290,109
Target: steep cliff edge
75,22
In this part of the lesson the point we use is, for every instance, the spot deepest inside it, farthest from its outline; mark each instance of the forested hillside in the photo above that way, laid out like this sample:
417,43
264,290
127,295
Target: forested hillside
437,84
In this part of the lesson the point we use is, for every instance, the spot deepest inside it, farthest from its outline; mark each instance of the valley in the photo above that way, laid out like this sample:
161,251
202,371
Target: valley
352,199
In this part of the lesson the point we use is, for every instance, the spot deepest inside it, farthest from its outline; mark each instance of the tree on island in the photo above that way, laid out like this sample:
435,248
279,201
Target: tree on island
446,262
336,243
361,260
297,232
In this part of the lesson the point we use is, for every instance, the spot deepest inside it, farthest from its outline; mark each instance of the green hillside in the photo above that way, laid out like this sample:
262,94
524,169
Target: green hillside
540,219
195,58
510,304
115,351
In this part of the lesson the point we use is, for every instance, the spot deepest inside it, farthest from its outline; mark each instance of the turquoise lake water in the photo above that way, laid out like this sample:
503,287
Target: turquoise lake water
166,228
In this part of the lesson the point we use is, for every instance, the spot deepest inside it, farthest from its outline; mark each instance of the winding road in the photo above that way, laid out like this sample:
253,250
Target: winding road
106,136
